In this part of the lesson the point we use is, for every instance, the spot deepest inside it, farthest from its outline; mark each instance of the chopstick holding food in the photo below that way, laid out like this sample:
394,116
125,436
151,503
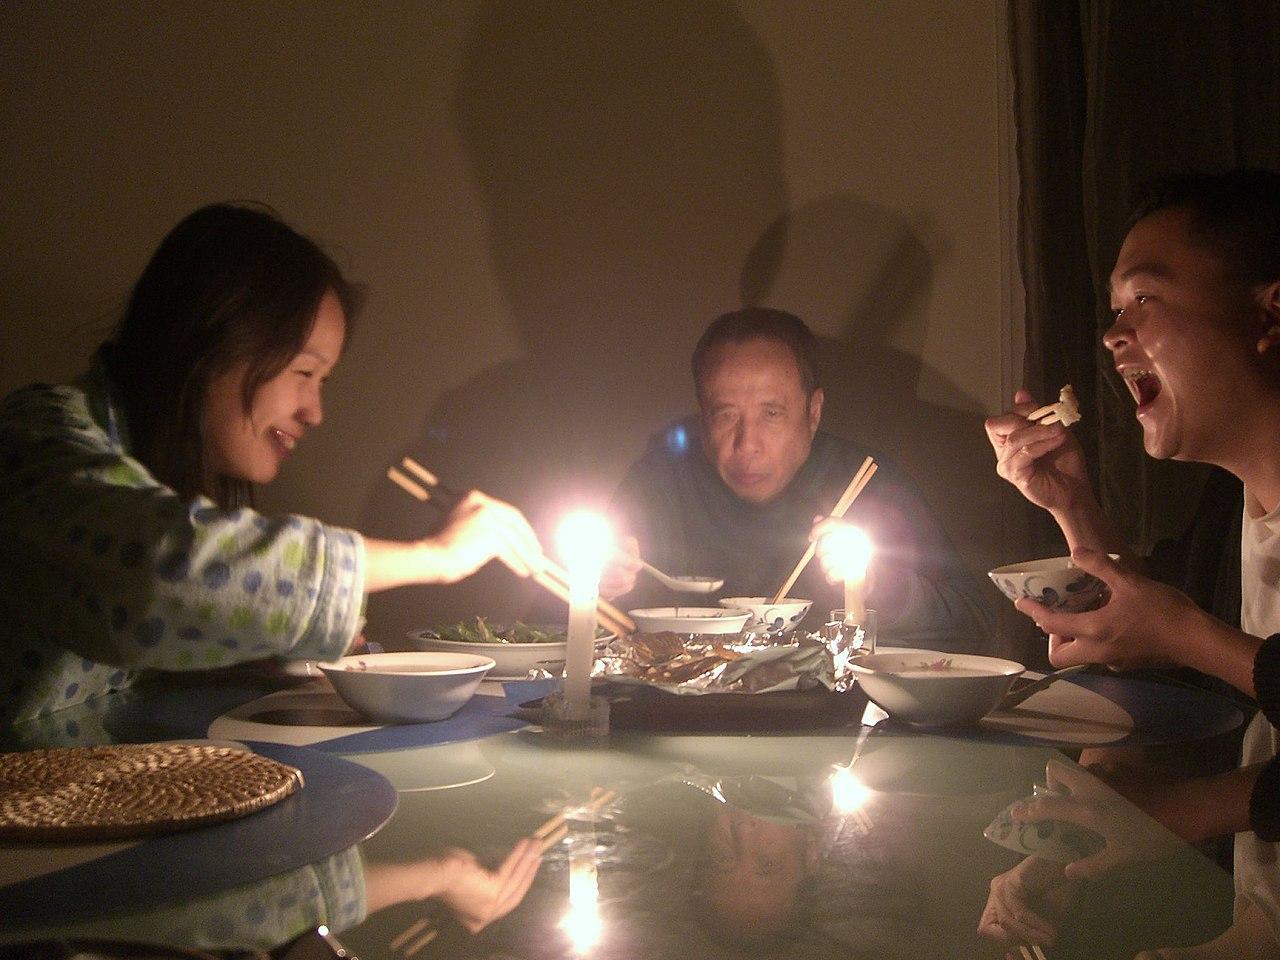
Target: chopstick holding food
1065,410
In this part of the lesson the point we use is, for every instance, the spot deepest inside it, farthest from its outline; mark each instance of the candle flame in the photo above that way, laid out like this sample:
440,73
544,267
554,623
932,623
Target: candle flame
849,549
586,543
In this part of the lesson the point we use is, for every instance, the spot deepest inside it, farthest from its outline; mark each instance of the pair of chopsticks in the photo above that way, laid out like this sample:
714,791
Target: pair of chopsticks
1063,410
851,492
552,577
1032,952
1045,415
555,829
411,933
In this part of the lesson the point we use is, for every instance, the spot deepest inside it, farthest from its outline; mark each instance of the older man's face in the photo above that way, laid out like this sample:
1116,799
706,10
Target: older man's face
757,425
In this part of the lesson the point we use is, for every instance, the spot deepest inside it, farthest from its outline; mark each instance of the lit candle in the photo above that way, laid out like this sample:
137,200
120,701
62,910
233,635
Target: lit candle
585,543
850,549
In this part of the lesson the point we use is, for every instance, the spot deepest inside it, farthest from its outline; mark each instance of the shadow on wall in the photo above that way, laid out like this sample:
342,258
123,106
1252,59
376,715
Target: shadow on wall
861,275
626,158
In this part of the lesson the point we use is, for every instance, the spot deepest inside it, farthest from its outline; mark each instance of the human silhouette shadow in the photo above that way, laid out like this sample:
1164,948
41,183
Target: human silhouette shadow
861,275
626,157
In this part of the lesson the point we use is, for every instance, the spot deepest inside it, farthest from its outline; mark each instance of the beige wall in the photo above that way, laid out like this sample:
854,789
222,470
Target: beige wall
548,209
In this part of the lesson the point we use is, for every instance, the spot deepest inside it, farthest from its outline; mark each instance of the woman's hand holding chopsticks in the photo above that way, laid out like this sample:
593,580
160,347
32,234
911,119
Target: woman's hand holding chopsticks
478,529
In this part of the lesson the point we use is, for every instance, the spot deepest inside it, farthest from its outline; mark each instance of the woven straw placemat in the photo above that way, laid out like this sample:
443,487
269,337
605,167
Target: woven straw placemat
100,793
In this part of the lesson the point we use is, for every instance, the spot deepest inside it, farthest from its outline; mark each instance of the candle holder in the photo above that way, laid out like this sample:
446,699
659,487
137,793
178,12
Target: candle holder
858,639
573,720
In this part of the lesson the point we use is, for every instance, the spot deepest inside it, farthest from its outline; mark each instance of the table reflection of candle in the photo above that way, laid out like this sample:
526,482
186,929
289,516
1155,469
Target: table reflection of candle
585,543
583,923
851,550
848,793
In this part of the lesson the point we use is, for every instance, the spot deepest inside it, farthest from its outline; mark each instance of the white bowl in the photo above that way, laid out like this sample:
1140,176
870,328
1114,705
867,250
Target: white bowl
407,687
935,689
1055,581
765,615
690,619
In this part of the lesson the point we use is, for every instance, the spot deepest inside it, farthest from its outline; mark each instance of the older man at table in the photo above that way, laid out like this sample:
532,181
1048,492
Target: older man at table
738,491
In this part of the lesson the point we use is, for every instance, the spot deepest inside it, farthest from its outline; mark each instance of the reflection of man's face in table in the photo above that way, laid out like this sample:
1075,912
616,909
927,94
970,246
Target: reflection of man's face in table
757,421
754,869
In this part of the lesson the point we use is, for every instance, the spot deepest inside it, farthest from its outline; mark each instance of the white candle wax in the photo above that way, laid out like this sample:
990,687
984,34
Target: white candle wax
580,648
855,597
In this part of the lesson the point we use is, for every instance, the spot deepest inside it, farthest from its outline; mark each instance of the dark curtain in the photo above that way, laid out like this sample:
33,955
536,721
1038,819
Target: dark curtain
1109,94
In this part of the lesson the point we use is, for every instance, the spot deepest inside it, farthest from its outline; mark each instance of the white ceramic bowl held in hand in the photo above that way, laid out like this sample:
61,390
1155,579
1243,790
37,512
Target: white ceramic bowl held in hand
407,687
931,689
783,616
1056,582
690,619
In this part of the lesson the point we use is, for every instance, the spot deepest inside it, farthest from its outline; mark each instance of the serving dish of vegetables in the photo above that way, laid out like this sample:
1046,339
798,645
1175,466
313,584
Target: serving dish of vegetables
516,648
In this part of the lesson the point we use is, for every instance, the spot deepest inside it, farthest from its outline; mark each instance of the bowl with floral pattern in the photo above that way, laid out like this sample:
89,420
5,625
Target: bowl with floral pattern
1055,582
781,617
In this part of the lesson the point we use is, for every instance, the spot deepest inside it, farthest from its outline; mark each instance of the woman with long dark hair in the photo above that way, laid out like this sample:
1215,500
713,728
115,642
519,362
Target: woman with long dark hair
129,537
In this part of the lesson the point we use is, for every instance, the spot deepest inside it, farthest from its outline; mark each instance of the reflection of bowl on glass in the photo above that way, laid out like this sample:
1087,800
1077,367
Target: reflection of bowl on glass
407,687
1056,582
935,689
690,619
438,767
781,617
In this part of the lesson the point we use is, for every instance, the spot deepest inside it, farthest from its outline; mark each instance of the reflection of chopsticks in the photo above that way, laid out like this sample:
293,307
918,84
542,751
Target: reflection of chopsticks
555,829
412,931
855,487
552,577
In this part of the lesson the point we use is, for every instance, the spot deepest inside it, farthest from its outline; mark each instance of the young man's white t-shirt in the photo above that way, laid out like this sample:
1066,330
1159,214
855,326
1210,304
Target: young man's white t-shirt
1257,874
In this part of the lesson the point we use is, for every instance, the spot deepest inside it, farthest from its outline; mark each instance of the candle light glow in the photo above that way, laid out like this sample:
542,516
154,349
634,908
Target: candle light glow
586,542
849,549
848,793
582,922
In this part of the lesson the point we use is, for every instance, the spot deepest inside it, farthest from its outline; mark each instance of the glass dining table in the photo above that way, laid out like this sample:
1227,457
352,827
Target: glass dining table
828,840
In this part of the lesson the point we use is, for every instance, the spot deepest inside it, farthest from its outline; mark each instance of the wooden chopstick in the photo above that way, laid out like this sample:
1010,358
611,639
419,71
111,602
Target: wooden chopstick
552,578
620,622
851,492
599,797
414,490
409,933
553,838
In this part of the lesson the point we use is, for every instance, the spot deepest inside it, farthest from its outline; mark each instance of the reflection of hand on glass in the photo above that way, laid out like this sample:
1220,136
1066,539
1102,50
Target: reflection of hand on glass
1081,799
1025,904
476,895
1249,938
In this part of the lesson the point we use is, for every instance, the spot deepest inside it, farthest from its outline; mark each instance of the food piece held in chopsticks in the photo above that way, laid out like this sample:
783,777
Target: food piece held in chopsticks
1066,411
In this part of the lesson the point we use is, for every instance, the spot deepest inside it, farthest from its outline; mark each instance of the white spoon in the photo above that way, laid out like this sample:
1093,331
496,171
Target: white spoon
683,584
